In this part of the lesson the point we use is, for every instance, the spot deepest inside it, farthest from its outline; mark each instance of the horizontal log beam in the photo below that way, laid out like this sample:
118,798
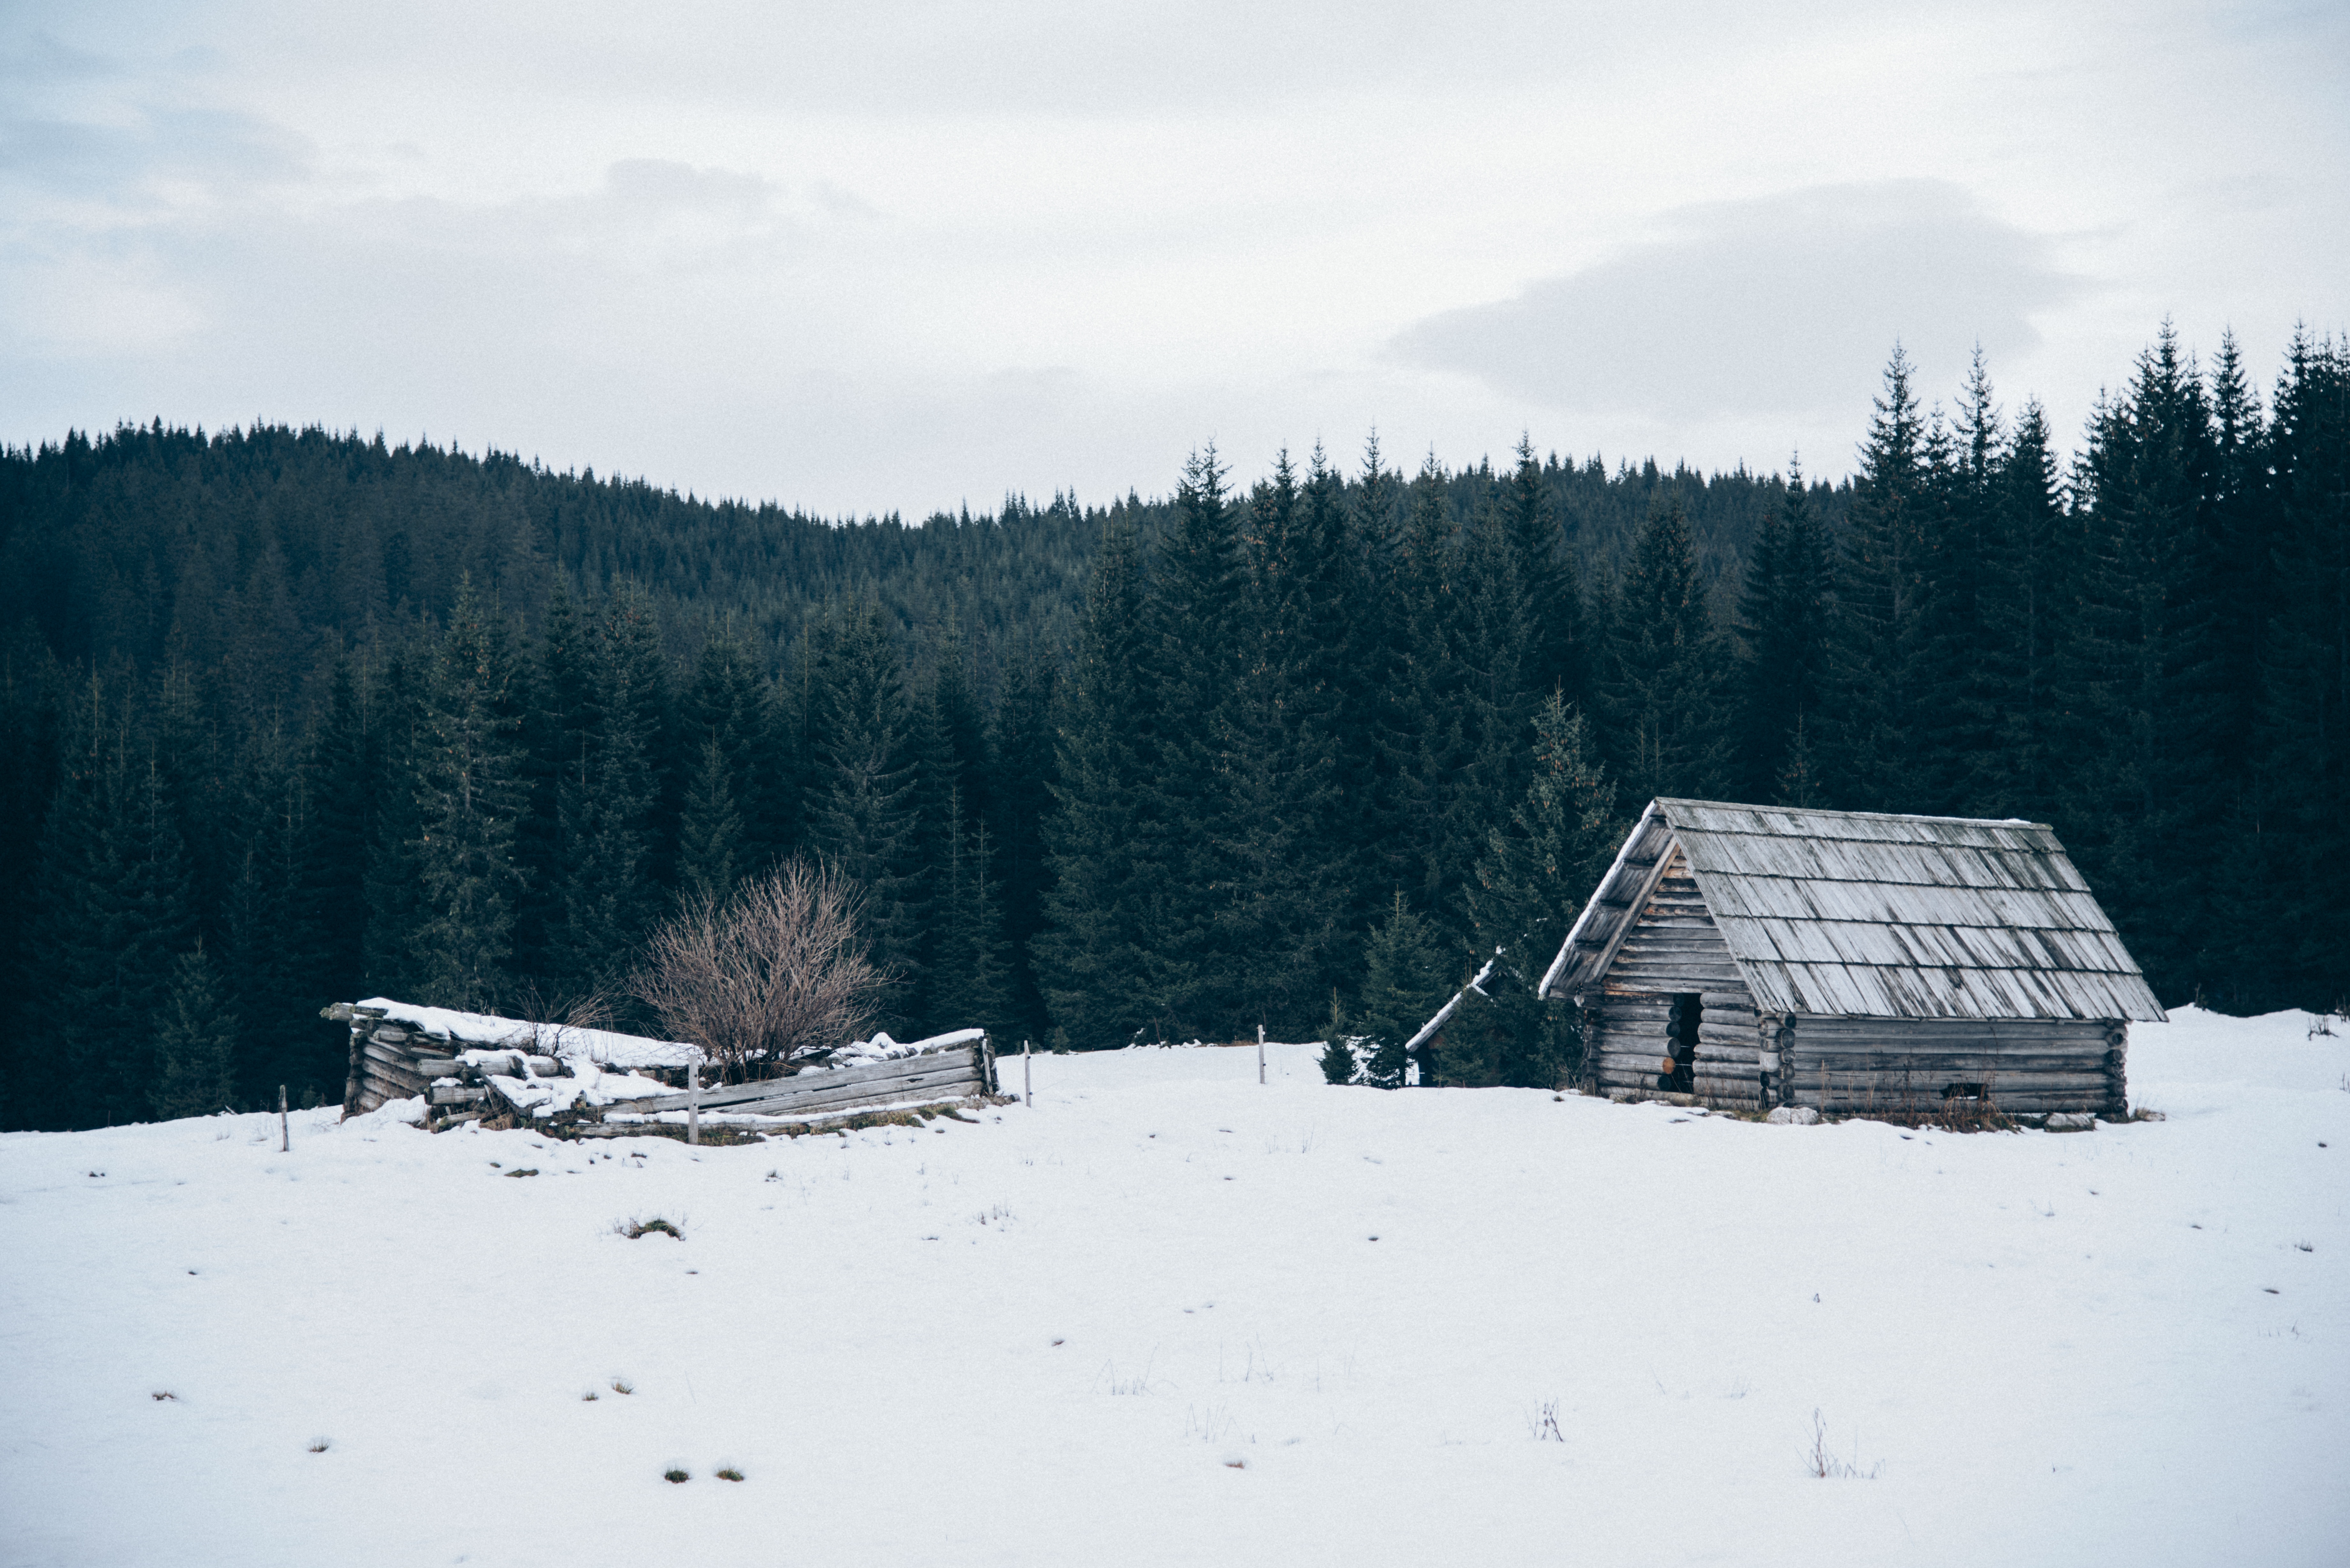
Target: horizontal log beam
963,1079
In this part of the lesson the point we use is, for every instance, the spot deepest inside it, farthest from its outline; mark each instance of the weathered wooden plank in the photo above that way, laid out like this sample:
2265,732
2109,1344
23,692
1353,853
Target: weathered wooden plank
929,1095
455,1094
954,1058
963,1078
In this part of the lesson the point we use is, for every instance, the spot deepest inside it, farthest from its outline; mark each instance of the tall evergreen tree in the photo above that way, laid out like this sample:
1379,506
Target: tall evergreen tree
2144,666
1104,841
1195,661
867,819
469,799
2027,592
1019,797
195,1044
711,835
608,798
1782,628
1880,622
968,974
1664,690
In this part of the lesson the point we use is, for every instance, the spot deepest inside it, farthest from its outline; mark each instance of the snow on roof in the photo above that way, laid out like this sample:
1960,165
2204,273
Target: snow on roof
1875,915
603,1046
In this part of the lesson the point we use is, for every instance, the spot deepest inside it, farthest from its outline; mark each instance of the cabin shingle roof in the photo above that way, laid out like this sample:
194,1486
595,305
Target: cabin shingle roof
1875,915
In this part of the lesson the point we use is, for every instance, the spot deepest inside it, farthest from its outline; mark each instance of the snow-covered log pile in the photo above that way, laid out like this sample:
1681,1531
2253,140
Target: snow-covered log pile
465,1065
468,1065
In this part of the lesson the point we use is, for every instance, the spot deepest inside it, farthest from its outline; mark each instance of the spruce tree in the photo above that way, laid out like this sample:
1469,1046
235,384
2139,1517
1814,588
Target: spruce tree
866,819
2026,603
608,798
1881,625
1404,983
195,1044
712,830
342,763
2143,669
1276,820
1194,660
1664,698
1783,630
2295,922
1540,867
469,800
1020,796
395,902
968,988
1103,841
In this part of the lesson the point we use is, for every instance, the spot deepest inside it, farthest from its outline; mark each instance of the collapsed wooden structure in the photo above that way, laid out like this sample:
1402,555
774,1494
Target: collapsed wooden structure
1754,955
577,1081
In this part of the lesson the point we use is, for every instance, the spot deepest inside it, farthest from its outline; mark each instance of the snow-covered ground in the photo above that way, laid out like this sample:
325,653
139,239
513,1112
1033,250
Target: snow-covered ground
1169,1316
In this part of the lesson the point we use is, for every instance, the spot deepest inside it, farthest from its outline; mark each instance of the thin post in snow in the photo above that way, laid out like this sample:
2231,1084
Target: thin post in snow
285,1132
693,1104
1027,1079
1260,1054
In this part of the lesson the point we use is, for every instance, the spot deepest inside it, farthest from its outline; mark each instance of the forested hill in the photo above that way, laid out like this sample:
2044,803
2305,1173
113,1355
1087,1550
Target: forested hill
294,718
252,557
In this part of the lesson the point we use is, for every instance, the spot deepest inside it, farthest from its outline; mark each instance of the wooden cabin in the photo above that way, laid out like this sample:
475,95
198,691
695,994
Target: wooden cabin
1756,956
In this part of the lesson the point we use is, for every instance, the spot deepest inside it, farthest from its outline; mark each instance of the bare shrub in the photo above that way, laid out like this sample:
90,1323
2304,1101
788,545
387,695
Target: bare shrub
772,972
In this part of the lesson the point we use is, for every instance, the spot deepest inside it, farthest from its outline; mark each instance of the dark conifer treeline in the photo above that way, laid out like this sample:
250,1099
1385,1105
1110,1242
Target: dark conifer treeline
295,718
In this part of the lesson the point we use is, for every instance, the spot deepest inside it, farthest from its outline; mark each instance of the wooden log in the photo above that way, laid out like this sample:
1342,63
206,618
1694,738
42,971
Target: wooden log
1737,997
455,1094
1969,1064
1951,1045
394,1078
390,1055
1951,1028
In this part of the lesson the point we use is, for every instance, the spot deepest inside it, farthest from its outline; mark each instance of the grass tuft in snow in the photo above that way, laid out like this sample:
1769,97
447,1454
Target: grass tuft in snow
730,1473
319,1445
622,1386
1828,1465
676,1477
167,1394
1544,1423
632,1228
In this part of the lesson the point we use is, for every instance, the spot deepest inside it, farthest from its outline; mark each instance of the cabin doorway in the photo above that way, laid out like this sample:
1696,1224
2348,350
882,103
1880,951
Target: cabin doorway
1678,1071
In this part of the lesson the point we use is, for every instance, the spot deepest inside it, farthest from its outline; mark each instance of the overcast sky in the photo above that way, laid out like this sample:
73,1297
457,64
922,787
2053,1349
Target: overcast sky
875,257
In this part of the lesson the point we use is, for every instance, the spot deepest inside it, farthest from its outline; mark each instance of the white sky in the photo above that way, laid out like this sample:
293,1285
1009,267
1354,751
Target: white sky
896,257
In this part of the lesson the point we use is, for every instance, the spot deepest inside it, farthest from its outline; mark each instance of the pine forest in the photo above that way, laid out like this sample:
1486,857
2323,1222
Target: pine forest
294,718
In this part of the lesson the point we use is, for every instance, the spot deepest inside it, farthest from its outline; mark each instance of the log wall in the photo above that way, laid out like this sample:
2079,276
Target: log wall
1672,948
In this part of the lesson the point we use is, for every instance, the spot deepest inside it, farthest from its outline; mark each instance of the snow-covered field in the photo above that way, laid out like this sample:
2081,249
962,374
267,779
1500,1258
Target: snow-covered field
1169,1316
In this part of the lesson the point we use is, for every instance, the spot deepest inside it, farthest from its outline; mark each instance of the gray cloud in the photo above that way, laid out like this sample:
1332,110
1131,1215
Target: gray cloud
1780,303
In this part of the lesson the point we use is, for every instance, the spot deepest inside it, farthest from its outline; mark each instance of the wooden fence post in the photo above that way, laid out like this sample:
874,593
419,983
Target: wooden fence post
284,1134
1027,1079
693,1106
1260,1054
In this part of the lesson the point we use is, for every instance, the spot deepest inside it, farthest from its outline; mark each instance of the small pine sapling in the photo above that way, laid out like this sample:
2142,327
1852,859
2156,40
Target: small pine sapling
1338,1054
